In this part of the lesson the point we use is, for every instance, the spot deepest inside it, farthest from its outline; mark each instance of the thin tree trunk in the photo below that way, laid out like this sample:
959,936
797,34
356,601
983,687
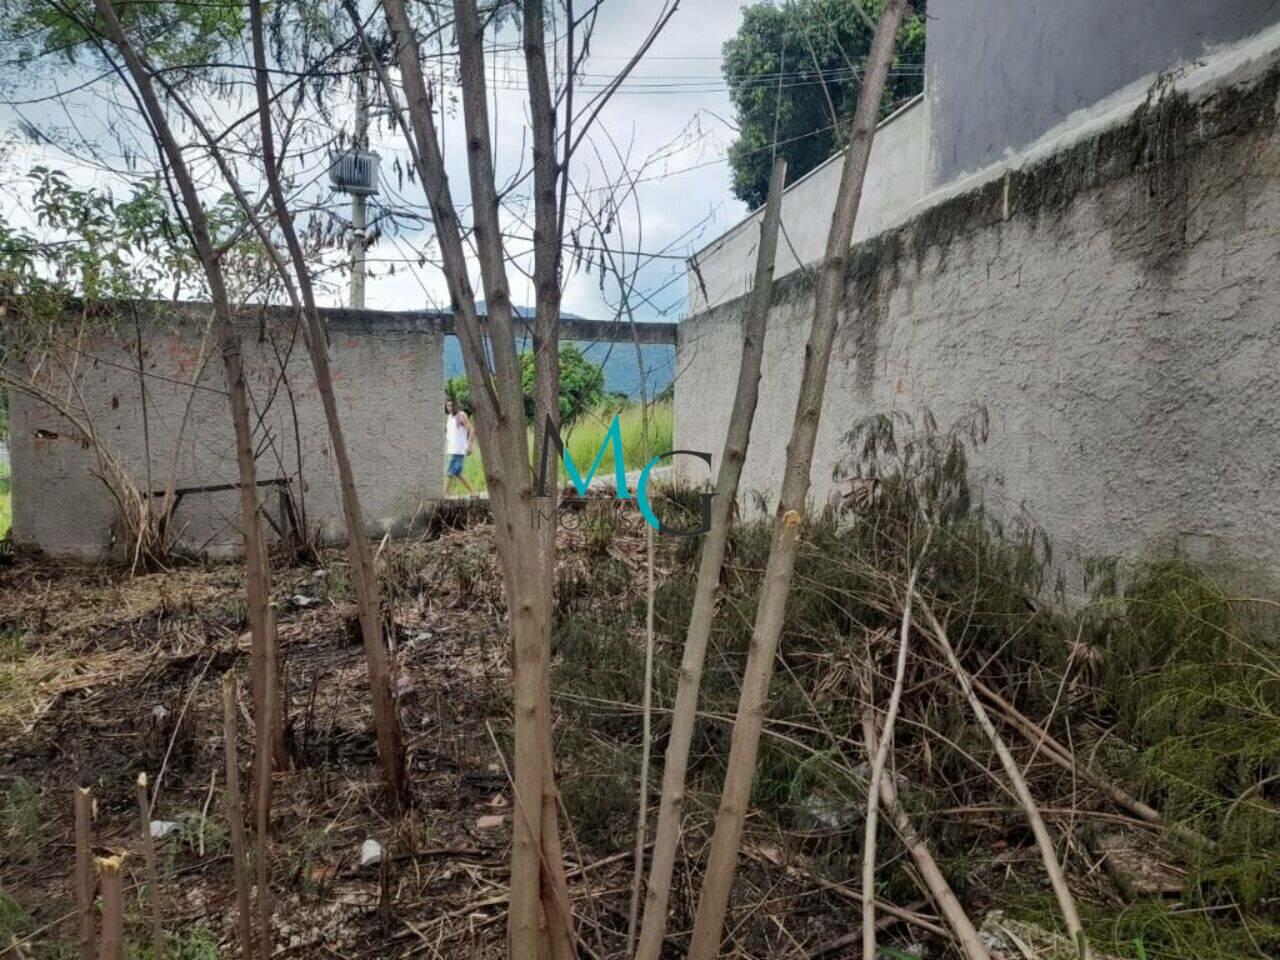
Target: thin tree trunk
706,593
499,403
235,817
262,804
84,870
112,944
526,601
270,732
153,871
257,567
546,404
546,266
880,756
713,900
939,890
642,805
1058,880
386,719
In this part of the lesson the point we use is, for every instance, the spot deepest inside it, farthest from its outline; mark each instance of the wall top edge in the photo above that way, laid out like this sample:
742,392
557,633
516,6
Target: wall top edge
349,320
1230,66
1233,96
915,102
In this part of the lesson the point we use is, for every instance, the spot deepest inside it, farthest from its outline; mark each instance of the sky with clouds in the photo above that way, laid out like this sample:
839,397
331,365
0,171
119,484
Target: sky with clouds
670,126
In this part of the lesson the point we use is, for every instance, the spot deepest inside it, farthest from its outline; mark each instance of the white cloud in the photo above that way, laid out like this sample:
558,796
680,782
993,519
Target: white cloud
673,97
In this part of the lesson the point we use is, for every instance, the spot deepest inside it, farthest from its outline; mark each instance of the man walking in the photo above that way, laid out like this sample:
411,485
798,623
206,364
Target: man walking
459,441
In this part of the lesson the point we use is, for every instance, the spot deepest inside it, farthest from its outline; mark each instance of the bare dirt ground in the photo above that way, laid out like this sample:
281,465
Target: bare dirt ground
113,675
109,675
104,675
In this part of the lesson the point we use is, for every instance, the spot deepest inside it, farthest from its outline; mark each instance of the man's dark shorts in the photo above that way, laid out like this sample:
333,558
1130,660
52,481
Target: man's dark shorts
456,462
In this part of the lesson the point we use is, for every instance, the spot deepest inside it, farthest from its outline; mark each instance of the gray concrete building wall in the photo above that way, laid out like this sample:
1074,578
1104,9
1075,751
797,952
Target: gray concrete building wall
388,375
896,179
1112,306
1000,73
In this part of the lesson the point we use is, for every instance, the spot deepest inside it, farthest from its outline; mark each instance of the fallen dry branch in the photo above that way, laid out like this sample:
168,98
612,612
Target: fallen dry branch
1058,880
852,894
879,755
854,938
940,891
1059,754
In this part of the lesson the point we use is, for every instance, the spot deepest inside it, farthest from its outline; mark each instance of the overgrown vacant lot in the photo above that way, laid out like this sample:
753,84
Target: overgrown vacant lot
1168,692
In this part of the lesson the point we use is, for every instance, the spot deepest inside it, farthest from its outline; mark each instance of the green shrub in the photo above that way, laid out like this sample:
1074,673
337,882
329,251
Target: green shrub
14,921
581,385
193,943
1195,684
1150,929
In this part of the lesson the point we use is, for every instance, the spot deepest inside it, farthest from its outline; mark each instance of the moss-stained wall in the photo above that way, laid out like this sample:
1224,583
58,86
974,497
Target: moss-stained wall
1116,308
1003,72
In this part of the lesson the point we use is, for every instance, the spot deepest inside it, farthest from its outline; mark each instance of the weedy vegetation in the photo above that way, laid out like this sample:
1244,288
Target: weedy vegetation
1156,685
1161,681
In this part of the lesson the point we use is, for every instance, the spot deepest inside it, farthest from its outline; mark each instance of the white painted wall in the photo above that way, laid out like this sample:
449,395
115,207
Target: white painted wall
895,181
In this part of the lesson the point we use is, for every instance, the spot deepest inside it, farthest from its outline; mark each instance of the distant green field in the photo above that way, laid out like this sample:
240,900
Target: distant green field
584,440
6,510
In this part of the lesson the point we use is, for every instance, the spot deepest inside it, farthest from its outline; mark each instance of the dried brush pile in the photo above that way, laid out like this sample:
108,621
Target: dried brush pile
1143,722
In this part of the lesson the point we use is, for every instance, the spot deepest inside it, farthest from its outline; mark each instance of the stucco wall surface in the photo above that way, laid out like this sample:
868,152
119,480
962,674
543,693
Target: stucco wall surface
895,180
1002,72
1113,307
389,384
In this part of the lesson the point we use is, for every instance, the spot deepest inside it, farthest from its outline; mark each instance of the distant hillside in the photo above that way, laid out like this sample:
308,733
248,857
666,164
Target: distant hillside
621,364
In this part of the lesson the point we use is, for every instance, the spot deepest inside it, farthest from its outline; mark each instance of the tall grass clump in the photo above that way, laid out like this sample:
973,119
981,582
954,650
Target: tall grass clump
588,435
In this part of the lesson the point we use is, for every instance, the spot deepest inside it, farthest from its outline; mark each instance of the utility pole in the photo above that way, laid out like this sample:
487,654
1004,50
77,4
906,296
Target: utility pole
359,211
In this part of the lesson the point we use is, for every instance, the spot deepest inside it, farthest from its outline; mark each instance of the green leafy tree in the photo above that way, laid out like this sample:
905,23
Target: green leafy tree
581,385
791,67
171,33
459,391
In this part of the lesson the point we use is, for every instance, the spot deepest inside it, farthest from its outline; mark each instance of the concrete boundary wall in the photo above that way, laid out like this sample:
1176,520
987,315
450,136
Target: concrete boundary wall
388,372
388,379
1112,304
896,179
1001,73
